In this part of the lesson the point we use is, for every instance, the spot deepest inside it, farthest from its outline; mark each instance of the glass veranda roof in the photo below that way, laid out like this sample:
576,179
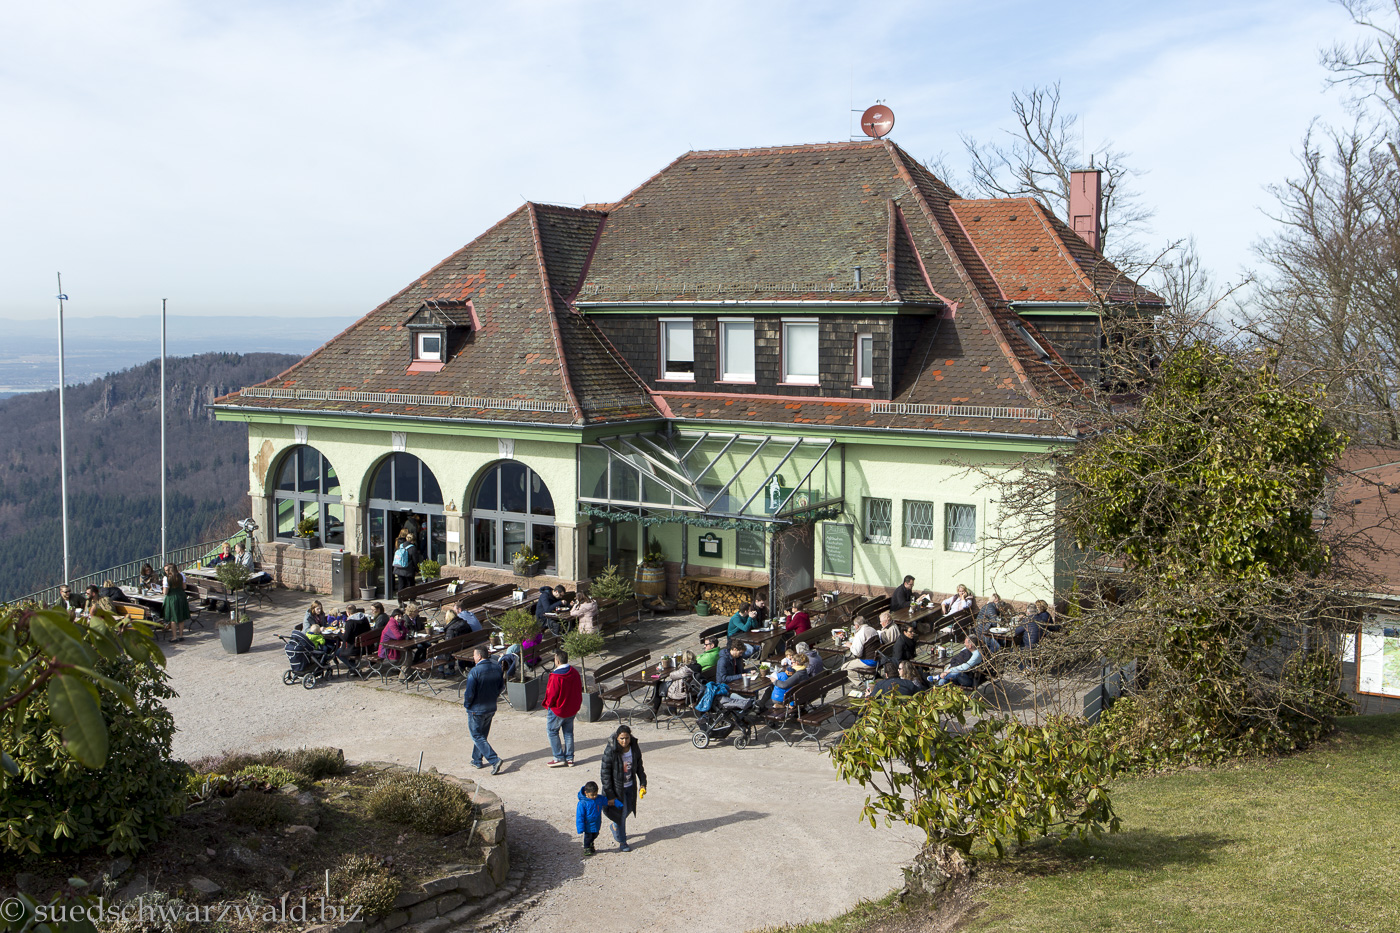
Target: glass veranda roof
713,474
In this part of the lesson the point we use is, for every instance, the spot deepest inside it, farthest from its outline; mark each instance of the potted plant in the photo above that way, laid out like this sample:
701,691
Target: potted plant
526,561
651,572
369,575
429,569
610,586
580,645
234,576
236,633
516,626
306,534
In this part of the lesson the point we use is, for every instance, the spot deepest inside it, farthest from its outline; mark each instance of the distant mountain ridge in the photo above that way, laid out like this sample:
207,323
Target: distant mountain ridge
114,466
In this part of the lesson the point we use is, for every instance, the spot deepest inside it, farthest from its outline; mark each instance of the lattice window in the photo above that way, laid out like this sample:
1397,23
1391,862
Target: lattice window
960,527
878,521
919,524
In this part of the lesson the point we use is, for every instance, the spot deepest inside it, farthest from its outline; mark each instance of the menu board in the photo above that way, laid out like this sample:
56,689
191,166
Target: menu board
749,547
838,550
1378,657
711,546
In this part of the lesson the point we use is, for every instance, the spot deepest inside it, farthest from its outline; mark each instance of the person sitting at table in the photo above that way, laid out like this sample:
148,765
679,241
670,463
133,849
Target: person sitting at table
561,598
858,666
786,680
256,577
905,644
729,668
463,621
889,632
708,657
315,635
741,621
393,631
960,600
67,600
992,612
585,613
798,622
1032,627
962,670
760,609
378,618
111,591
903,595
101,605
356,624
149,580
682,684
901,679
224,556
816,664
91,595
315,615
546,604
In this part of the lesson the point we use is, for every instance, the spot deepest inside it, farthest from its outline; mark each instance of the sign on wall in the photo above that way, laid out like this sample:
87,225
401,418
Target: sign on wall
1378,657
750,549
838,550
711,546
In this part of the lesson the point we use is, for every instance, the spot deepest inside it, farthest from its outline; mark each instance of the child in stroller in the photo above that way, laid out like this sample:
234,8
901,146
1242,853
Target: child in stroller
307,661
725,712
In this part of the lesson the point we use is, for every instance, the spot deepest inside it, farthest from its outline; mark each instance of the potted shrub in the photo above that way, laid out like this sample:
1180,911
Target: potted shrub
580,645
429,570
651,572
610,586
526,561
369,575
516,626
306,534
236,633
234,576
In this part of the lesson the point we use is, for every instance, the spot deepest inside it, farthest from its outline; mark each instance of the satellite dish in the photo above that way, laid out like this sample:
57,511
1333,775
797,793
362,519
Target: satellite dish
877,121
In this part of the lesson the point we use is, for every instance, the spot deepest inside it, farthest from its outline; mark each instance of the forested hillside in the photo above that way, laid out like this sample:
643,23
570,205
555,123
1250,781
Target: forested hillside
114,467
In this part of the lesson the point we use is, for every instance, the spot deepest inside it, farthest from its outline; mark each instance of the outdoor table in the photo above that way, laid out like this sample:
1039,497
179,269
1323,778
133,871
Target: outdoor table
758,636
150,600
912,614
820,607
507,603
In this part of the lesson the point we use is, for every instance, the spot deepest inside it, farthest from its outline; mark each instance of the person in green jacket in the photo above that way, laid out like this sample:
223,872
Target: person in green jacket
709,656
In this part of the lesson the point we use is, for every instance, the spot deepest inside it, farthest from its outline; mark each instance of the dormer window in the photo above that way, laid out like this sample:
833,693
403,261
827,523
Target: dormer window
437,331
430,347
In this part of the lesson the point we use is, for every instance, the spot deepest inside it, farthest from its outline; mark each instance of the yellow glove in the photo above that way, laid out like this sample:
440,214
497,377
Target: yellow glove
641,794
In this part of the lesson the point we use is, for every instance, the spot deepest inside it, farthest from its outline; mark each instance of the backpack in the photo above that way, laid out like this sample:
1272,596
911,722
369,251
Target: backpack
402,556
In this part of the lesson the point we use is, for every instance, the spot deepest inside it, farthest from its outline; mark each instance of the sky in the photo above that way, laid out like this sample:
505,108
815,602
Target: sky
312,158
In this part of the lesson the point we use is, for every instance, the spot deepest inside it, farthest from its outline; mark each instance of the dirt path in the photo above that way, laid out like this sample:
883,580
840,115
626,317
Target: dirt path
708,840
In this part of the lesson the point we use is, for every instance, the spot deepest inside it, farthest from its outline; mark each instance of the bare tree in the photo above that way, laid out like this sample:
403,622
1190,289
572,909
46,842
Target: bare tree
1044,148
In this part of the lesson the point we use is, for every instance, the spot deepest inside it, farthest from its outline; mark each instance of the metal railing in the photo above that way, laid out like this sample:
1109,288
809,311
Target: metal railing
959,411
129,573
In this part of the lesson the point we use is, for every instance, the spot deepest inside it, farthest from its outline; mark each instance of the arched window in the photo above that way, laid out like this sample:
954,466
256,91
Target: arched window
512,508
307,488
404,495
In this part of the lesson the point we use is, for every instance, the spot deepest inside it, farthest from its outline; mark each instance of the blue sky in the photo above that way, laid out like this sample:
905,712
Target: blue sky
313,158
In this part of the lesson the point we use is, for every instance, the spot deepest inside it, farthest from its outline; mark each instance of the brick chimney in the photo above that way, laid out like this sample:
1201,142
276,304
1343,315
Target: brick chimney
1086,205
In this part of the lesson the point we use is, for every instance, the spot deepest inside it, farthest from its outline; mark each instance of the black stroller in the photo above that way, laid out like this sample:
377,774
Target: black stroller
730,713
306,662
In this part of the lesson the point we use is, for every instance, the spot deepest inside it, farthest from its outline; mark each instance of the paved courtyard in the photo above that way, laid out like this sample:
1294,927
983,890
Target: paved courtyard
726,840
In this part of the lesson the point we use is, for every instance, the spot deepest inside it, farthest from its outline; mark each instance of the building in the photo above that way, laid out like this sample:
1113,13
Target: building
799,361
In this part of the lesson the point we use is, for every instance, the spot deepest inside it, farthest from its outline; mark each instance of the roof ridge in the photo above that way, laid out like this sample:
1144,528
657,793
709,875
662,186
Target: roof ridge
834,145
549,309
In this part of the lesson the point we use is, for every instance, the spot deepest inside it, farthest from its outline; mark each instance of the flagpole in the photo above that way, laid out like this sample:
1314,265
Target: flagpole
163,559
62,432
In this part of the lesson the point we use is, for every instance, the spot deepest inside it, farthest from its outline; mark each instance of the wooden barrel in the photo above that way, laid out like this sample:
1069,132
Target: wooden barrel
650,581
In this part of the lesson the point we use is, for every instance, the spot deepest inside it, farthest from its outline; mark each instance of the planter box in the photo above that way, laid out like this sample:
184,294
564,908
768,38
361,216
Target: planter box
526,696
592,708
531,569
307,544
237,638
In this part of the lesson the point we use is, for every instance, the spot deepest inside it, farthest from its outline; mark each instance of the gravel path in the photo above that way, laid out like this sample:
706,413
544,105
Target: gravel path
708,841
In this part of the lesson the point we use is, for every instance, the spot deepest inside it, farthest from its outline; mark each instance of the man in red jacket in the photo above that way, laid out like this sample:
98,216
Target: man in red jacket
563,695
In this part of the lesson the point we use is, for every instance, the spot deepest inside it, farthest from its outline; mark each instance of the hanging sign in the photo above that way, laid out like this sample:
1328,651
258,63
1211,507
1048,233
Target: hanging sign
711,546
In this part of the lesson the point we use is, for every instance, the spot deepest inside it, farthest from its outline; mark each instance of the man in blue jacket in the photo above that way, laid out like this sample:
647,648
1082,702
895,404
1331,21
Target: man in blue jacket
482,690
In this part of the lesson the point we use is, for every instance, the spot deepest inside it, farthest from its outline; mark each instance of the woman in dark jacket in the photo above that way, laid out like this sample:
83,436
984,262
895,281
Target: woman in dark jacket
622,777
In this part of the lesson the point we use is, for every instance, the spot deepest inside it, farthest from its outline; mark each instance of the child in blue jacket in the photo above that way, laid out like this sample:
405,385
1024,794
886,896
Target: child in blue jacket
588,818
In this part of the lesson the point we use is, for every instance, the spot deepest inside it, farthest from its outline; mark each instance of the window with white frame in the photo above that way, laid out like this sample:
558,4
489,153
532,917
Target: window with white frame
800,352
865,359
736,350
430,347
919,524
959,527
678,349
878,521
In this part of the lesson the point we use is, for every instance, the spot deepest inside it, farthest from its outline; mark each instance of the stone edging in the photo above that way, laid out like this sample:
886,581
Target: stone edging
461,891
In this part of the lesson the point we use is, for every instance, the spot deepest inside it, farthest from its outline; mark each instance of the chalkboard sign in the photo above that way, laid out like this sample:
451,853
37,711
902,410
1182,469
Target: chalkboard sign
750,549
838,557
711,545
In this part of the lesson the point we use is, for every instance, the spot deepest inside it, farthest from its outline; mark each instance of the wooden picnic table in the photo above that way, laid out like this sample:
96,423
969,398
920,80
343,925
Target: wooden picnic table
913,614
758,635
820,607
507,603
417,641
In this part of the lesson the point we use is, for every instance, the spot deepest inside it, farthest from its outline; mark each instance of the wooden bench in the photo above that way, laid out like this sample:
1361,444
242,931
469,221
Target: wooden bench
623,617
799,596
622,690
427,590
720,631
435,656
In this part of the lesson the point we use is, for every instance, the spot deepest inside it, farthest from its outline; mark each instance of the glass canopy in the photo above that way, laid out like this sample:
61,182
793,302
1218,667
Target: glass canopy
712,474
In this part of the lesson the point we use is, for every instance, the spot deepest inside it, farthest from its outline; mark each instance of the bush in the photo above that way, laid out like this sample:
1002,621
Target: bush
265,777
426,802
610,584
258,809
309,764
55,805
363,880
314,763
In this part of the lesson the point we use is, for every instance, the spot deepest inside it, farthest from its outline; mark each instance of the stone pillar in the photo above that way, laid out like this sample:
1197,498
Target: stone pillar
262,514
458,551
569,547
355,542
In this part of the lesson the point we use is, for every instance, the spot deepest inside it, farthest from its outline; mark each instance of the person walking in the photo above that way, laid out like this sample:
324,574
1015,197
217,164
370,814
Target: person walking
588,816
176,606
405,560
563,695
624,782
482,690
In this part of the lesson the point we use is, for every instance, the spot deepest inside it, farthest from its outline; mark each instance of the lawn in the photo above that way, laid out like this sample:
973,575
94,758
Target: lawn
1306,843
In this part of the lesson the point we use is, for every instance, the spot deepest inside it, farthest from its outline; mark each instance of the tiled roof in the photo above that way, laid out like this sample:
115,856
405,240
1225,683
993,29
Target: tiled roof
1035,256
1366,510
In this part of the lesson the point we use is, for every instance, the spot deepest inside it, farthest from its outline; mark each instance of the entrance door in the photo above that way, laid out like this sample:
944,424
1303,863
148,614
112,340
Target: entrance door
614,543
796,560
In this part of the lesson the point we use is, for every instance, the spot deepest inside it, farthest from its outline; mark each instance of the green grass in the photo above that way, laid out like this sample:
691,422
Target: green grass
1306,843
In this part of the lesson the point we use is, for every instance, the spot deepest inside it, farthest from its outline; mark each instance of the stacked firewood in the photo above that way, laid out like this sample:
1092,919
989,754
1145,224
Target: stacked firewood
723,600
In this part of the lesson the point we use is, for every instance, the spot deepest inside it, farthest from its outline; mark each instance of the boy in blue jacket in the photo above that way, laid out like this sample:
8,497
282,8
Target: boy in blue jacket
588,818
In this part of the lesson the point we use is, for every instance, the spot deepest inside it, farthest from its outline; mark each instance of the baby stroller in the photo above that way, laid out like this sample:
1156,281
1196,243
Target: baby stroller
727,712
307,662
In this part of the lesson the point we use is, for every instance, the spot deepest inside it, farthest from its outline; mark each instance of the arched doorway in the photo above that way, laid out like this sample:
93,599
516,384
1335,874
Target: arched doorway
307,487
403,493
512,507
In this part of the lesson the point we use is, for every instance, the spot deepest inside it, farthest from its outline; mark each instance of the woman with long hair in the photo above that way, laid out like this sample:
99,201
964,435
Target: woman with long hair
176,607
